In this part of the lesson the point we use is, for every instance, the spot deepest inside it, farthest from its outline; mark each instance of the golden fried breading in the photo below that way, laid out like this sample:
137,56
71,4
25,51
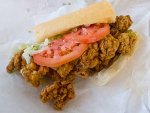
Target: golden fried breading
32,66
108,47
65,69
122,23
17,62
83,73
10,67
89,58
114,32
98,67
54,76
34,73
59,92
127,42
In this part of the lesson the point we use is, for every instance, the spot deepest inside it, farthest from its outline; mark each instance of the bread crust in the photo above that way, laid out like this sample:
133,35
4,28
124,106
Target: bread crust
101,12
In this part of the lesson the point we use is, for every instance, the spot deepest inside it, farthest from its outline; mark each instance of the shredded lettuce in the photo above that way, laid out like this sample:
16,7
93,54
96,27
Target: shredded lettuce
55,37
29,50
26,54
33,49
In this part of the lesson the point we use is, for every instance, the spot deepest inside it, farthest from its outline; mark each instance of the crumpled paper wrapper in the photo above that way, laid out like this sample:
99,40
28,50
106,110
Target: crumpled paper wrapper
128,92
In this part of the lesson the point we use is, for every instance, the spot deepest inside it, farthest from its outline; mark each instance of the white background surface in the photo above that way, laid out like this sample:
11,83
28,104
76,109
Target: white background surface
129,92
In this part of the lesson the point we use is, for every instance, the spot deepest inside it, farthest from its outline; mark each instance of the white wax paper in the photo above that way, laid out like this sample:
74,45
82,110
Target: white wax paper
128,92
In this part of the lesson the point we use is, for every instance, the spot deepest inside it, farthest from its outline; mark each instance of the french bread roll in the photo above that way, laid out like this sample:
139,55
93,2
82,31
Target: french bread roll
101,12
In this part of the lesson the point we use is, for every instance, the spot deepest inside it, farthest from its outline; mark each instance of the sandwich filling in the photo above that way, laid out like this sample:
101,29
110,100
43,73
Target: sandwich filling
70,46
80,52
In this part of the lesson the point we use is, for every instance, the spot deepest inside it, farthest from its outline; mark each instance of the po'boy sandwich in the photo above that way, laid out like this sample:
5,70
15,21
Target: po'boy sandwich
77,44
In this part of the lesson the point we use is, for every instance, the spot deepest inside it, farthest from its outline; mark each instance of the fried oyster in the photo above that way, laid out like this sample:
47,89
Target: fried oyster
59,92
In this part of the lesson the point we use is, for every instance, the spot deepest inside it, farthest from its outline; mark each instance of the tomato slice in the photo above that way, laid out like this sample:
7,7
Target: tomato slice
59,52
71,46
93,33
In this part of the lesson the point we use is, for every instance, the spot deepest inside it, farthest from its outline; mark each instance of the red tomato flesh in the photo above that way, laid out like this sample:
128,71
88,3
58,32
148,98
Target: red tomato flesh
71,46
93,33
58,60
